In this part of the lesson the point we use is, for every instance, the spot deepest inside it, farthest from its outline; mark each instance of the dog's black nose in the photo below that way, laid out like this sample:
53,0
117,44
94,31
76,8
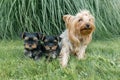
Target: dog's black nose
50,47
30,45
87,25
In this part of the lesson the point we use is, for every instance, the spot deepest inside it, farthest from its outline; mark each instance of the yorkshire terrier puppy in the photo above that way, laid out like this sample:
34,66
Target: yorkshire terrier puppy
51,47
77,36
32,47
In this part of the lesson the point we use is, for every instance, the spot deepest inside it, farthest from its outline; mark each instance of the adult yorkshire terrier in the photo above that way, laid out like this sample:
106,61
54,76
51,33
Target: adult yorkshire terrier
77,36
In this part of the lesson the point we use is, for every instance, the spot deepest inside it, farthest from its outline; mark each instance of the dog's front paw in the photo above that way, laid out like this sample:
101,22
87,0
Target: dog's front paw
63,64
81,57
28,54
36,57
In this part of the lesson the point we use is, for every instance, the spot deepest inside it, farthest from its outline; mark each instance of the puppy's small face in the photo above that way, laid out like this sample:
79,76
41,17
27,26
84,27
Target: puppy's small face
30,40
50,43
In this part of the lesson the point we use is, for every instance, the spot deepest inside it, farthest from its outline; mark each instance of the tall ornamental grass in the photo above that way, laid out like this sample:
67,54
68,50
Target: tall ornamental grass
17,16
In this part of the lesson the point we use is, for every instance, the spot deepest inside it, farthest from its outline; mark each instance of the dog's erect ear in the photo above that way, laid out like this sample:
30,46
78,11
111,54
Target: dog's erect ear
43,37
22,35
40,36
58,38
67,18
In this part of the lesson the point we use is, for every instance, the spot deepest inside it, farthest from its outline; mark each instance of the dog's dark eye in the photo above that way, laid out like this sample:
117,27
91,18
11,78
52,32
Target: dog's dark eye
80,20
90,19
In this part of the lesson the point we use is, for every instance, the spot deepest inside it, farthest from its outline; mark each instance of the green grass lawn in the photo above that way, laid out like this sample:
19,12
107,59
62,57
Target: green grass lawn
102,63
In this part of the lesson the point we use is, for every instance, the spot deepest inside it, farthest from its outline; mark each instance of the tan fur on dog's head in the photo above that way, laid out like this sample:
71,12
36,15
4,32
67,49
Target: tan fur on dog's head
68,19
85,22
82,24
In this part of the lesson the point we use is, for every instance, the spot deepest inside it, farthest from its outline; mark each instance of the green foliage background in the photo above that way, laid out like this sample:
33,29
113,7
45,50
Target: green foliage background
17,16
103,56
